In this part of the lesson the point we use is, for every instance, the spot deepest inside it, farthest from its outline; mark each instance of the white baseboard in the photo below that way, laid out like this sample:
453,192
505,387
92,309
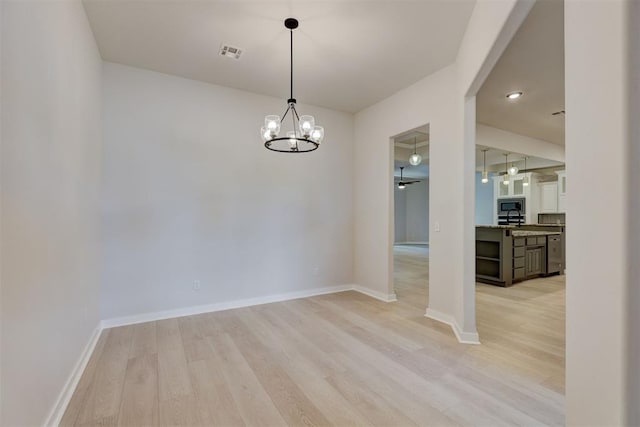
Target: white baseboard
463,337
227,305
55,416
210,308
375,294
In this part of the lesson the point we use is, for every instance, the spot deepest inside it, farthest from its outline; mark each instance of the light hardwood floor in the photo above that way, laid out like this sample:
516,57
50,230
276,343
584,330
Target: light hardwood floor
341,359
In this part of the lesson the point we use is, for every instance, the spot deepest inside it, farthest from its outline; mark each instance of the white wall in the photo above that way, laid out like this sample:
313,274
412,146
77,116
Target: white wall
437,100
400,215
428,101
50,170
411,214
633,305
489,136
1,134
418,211
598,139
190,193
484,200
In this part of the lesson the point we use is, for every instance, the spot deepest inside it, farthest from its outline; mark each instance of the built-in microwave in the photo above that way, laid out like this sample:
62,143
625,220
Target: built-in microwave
516,206
511,204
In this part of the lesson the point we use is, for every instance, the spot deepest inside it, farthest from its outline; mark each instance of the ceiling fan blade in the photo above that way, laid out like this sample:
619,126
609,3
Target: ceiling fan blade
411,182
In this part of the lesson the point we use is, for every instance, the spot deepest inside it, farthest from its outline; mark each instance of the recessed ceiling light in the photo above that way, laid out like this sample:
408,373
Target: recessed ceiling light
514,95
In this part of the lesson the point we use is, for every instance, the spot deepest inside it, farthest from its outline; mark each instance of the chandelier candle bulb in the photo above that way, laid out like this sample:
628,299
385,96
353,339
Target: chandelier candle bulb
292,139
307,123
272,123
265,134
318,134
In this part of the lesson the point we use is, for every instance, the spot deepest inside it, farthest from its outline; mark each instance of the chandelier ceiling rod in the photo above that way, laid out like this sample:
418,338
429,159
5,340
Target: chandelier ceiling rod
291,52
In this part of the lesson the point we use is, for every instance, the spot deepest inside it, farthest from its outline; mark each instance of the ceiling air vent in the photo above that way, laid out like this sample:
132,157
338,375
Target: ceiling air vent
230,51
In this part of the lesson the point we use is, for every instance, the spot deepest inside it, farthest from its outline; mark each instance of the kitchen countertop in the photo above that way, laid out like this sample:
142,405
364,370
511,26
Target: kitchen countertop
515,227
529,233
517,232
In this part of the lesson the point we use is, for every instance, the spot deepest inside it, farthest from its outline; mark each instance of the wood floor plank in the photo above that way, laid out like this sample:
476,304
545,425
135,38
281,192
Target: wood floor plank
144,340
86,381
294,406
140,394
337,359
173,375
103,400
214,399
253,402
180,411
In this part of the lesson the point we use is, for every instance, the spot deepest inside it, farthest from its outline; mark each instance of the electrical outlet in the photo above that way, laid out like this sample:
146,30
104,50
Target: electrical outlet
436,226
197,285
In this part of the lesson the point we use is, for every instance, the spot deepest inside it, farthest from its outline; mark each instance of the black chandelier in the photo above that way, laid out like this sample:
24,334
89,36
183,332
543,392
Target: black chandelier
305,136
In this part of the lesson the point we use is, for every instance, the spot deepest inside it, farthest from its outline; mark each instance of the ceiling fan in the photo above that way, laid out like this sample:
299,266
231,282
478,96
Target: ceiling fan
402,183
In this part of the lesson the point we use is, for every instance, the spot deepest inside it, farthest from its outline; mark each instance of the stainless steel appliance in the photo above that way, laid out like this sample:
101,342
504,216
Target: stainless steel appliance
511,211
554,254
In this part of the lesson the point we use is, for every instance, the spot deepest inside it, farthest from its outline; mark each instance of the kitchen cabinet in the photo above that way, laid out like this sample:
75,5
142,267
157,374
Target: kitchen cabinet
548,197
554,254
505,254
515,187
562,190
534,261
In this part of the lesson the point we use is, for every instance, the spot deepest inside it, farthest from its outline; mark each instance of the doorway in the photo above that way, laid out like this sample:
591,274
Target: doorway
520,198
411,217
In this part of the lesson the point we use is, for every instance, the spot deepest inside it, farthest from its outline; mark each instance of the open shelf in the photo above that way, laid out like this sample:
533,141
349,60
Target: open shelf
487,249
486,258
488,268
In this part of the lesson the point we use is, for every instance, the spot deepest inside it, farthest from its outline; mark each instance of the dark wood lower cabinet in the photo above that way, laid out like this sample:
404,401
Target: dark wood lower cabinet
534,261
508,255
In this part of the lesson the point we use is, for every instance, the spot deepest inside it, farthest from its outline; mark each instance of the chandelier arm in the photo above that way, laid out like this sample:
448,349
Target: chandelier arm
296,113
285,113
293,118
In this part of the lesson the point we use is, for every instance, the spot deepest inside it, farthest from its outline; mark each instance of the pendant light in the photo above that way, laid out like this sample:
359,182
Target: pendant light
485,175
305,136
525,181
505,177
415,159
513,170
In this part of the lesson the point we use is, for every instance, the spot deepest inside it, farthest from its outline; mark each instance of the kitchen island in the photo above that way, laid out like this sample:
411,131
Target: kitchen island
508,254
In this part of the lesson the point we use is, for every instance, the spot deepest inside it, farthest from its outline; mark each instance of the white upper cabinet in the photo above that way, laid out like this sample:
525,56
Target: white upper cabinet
548,197
515,188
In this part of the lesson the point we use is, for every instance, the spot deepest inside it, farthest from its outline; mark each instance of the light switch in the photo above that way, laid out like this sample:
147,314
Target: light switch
436,226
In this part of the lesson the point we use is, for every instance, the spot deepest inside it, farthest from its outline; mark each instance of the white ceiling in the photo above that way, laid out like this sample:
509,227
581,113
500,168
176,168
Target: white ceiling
534,64
347,54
